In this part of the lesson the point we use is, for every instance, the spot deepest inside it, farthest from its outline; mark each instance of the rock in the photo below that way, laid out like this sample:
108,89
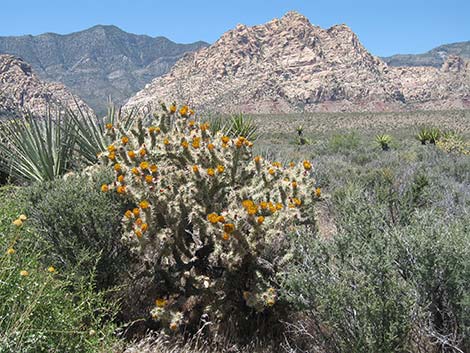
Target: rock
21,89
289,65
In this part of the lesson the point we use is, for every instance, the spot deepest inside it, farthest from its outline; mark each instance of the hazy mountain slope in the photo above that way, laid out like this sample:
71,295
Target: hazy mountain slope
289,65
98,62
435,57
21,89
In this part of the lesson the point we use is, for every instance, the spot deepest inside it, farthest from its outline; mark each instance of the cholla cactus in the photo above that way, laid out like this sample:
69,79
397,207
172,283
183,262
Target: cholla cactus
210,218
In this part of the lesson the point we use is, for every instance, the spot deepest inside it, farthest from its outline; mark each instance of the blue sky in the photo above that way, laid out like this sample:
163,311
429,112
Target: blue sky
384,27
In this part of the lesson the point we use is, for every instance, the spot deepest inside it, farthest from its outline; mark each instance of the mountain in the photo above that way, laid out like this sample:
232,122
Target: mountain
435,57
99,62
21,89
290,65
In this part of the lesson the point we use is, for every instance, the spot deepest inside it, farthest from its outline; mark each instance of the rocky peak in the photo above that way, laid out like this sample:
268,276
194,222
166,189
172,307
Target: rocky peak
20,89
453,63
288,65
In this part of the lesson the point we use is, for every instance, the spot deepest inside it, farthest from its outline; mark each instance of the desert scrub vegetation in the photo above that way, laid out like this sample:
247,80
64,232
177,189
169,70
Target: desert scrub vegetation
43,308
209,219
185,227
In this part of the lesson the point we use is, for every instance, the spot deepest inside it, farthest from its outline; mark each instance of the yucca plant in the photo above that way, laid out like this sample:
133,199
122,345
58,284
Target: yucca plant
423,136
383,141
234,126
33,149
92,135
434,135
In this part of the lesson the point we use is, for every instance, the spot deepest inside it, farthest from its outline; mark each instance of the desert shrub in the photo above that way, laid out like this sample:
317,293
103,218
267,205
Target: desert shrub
77,220
43,308
352,297
208,221
434,257
343,142
453,143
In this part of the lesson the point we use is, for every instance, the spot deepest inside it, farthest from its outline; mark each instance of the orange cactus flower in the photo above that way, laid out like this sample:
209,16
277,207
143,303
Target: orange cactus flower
210,172
131,154
221,219
144,227
144,204
210,146
121,189
136,212
229,228
172,108
121,178
143,152
260,220
307,165
148,179
117,167
144,165
226,236
195,169
220,168
125,140
128,214
153,168
213,218
184,110
104,188
112,156
257,159
225,139
109,126
135,171
196,142
318,192
184,144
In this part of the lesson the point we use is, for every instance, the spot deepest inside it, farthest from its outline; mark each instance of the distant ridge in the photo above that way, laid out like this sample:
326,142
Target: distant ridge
289,65
21,90
435,57
98,62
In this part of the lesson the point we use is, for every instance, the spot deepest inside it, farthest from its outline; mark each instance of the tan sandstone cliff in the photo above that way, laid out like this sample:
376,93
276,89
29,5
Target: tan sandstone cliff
289,65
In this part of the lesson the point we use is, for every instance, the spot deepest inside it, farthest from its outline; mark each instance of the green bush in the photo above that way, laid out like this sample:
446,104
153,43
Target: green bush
42,308
76,219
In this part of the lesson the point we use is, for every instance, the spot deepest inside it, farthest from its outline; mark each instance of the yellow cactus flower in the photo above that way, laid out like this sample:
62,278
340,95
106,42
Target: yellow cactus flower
257,159
109,126
144,165
117,167
136,212
160,303
24,273
204,126
184,144
131,154
225,139
213,218
191,123
239,143
292,164
111,148
112,156
184,110
221,219
139,222
135,171
143,152
229,227
196,143
104,188
318,192
144,204
138,233
271,171
51,269
279,206
307,165
124,140
226,236
153,168
172,108
151,129
276,164
220,169
294,184
148,179
128,214
166,142
260,220
120,178
270,302
210,172
296,201
195,169
144,227
10,251
121,189
263,205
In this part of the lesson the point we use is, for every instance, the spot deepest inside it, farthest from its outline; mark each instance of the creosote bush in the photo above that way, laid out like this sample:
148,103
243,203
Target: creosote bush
209,220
